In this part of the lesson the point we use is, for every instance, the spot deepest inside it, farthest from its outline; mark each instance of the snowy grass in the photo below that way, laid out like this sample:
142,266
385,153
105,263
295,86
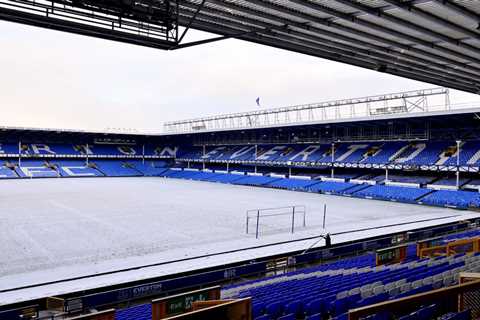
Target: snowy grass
59,228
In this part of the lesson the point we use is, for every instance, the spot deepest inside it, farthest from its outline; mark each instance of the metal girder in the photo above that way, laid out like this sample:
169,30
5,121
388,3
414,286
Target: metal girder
260,36
390,18
383,54
210,40
369,36
460,10
404,49
200,6
362,59
73,27
343,111
409,7
337,47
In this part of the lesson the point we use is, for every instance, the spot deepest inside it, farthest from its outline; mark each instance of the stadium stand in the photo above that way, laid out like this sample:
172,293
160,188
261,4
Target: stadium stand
330,290
6,172
330,187
412,179
115,168
422,153
469,154
450,181
140,312
384,153
35,169
459,199
255,180
293,184
420,189
403,194
415,153
75,168
149,168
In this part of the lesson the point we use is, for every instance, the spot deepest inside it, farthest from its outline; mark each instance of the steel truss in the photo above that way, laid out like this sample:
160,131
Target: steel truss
151,23
418,101
435,41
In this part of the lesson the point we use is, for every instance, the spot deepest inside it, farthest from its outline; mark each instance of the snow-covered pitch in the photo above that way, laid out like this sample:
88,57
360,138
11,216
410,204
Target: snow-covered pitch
61,228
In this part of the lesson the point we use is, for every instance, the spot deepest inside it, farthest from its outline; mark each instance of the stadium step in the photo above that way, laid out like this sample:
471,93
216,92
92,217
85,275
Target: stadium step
425,195
94,166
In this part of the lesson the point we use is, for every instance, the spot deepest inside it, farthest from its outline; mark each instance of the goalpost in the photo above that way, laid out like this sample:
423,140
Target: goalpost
293,211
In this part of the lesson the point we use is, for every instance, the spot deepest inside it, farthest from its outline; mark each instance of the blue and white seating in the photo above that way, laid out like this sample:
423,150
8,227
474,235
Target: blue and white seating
116,168
35,169
395,193
330,290
459,199
75,168
149,168
6,172
139,312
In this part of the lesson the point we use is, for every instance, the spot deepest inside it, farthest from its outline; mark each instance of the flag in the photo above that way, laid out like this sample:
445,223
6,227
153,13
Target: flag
258,101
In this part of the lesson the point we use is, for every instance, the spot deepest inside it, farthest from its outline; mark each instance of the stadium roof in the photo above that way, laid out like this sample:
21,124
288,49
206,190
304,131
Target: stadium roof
454,118
435,41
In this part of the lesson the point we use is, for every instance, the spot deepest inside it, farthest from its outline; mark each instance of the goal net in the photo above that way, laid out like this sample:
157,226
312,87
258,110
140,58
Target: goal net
275,219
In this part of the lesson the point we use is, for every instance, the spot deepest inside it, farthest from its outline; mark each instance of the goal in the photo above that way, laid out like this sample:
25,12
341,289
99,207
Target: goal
295,216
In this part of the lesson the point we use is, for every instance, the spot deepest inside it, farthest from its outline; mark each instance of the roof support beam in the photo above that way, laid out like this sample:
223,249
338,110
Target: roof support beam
373,26
460,10
344,29
210,40
390,18
331,38
200,6
381,55
400,49
433,18
320,50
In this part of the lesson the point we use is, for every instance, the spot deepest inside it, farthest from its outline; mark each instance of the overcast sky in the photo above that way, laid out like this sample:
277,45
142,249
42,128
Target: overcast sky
59,80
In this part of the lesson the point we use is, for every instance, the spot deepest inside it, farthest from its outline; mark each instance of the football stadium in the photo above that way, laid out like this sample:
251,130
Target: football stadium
357,208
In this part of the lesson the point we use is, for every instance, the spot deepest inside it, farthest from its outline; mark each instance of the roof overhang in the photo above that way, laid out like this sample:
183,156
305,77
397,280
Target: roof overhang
434,41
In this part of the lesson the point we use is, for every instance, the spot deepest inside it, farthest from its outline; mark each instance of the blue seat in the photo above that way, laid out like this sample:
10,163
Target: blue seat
412,316
427,312
314,307
290,316
274,309
295,307
257,309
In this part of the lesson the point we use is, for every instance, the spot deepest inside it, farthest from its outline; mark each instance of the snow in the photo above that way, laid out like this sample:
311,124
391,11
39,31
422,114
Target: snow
62,228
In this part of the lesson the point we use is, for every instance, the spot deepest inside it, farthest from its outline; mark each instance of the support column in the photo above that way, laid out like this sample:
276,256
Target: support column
333,158
86,153
256,150
386,174
293,219
458,163
19,153
203,158
143,154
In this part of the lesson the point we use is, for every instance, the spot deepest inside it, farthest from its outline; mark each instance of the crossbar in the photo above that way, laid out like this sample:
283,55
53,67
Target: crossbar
290,210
